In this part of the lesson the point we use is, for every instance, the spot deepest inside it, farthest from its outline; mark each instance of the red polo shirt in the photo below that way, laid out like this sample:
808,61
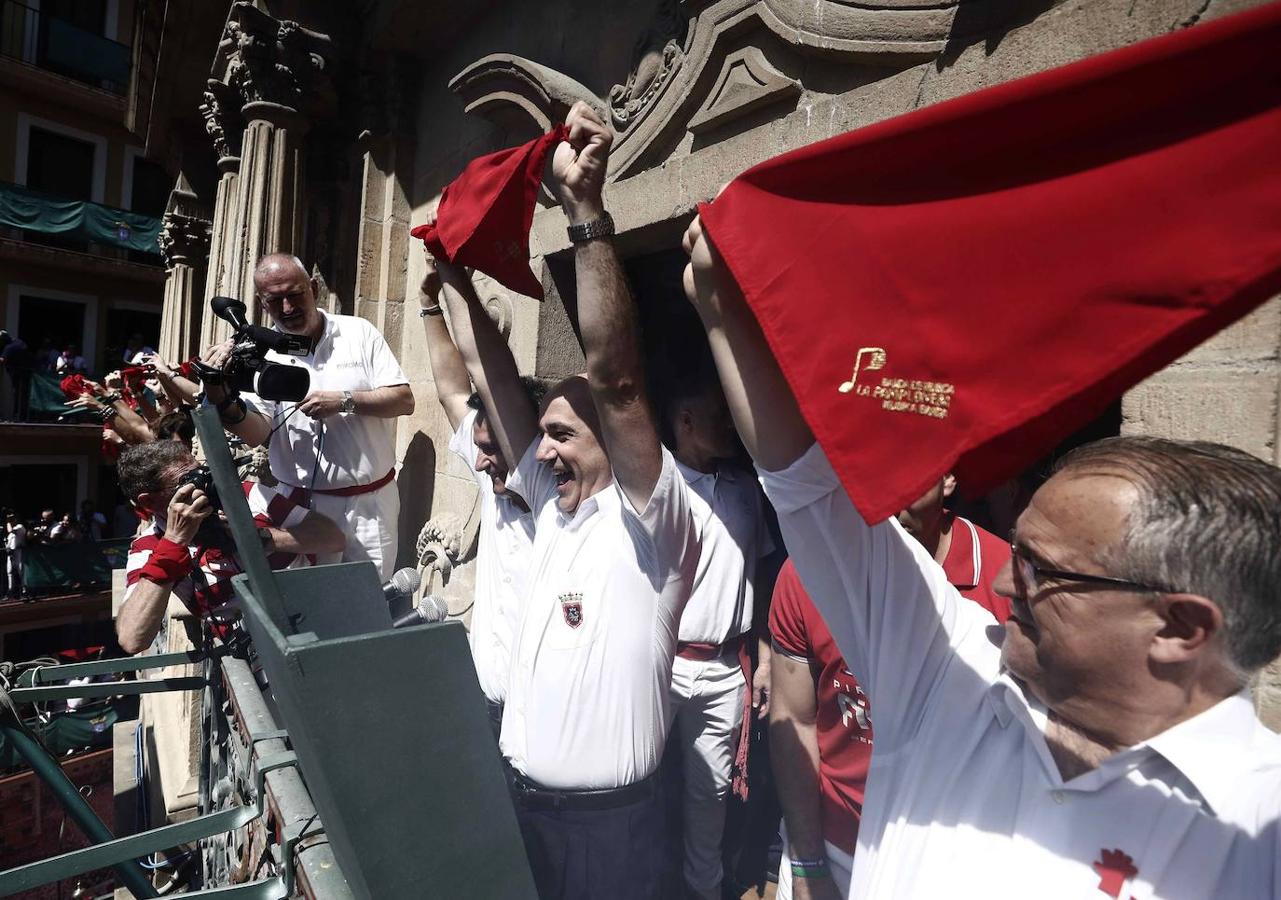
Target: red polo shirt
844,718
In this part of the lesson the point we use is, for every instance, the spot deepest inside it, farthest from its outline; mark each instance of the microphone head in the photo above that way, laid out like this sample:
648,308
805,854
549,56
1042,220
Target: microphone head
433,609
407,581
229,309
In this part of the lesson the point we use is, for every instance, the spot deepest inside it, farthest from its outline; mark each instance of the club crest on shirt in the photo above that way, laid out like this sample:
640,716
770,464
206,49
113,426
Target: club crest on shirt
571,606
1115,868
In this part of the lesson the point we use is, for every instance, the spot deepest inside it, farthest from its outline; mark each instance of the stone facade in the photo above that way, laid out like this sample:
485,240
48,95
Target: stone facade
334,135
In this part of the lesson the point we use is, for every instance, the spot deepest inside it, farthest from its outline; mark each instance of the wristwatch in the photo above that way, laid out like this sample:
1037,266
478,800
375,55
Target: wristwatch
586,231
348,402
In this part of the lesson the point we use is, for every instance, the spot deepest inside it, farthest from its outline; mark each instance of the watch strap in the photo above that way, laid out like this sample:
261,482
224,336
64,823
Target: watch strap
587,231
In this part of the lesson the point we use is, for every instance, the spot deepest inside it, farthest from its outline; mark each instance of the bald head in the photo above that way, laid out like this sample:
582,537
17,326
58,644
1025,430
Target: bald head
283,288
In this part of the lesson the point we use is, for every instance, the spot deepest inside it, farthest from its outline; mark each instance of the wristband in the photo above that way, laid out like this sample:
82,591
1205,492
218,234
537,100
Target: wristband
168,562
809,868
425,311
108,399
222,411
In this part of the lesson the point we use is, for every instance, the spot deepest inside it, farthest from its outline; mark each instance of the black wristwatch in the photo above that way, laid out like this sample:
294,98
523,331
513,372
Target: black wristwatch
597,228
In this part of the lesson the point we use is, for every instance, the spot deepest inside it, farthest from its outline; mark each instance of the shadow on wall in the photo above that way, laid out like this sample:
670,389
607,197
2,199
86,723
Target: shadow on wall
988,23
416,482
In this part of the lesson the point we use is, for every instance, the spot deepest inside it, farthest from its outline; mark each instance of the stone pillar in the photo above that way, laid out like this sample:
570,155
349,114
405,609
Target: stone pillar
184,243
278,69
221,110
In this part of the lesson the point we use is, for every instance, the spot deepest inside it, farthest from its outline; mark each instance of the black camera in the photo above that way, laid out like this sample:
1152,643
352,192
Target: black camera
212,532
201,478
248,368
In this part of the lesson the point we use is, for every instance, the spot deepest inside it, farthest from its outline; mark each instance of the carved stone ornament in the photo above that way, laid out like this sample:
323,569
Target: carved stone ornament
221,111
498,85
746,82
657,55
274,61
183,239
497,303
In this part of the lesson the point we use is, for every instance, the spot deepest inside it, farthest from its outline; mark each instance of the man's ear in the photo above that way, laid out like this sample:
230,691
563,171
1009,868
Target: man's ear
143,502
1190,623
949,485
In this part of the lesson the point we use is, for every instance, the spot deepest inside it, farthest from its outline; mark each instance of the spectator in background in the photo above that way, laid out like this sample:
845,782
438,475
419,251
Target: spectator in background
93,524
46,356
17,361
66,531
135,349
41,531
175,426
15,540
70,362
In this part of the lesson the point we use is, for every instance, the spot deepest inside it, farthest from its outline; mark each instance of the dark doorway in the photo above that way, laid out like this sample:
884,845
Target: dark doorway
60,165
29,488
123,324
61,322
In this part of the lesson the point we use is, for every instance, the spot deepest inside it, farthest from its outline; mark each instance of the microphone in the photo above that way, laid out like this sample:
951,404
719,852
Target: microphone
229,309
403,585
430,609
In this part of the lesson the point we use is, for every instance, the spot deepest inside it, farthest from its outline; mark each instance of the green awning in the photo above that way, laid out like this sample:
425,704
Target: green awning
32,210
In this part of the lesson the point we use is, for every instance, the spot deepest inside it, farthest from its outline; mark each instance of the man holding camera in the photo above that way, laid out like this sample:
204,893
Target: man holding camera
336,447
182,550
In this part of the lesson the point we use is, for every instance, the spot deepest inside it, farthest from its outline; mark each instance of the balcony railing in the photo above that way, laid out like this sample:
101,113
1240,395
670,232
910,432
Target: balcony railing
45,213
40,39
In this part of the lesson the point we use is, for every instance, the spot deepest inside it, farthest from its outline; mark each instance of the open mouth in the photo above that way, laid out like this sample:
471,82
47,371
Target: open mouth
292,318
562,479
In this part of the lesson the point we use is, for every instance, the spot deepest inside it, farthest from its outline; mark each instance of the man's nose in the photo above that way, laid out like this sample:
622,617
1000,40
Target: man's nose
1004,582
545,452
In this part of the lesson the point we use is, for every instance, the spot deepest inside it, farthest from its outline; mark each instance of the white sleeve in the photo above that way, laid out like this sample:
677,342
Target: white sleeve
268,408
461,443
889,606
380,362
532,479
669,521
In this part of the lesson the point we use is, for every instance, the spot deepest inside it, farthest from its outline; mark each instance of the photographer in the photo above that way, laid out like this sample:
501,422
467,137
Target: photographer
336,447
182,550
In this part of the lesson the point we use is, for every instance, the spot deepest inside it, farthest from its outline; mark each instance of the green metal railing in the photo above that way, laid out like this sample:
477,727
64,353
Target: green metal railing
60,46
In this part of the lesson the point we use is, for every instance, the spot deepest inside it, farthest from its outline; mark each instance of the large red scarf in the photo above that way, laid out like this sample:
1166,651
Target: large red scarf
959,288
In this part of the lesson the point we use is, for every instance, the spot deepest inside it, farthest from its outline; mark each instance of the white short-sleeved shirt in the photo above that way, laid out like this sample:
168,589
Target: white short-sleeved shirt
729,511
506,544
351,355
963,797
588,692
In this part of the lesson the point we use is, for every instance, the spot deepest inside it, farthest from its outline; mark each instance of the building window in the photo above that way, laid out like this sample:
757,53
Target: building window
60,164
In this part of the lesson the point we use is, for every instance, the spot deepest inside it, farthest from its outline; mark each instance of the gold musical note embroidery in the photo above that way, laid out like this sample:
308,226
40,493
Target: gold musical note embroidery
932,399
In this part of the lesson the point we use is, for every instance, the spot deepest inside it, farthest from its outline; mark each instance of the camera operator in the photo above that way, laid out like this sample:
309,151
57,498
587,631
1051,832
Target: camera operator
183,550
336,447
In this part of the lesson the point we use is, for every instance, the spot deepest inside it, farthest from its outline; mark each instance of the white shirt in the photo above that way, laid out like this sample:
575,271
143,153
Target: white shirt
506,543
16,538
592,663
963,797
350,356
728,510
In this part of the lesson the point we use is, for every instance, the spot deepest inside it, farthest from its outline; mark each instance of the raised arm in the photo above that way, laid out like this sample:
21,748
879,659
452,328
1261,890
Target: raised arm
764,410
453,386
490,364
606,312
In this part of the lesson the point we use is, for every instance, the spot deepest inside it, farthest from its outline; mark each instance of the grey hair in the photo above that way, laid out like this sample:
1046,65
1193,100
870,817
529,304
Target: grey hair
1207,521
143,468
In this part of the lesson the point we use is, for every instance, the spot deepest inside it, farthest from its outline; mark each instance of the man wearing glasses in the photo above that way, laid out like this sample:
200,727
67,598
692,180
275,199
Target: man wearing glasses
336,448
1103,742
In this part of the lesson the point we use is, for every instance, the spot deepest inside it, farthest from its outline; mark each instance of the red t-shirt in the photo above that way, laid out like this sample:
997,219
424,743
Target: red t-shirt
844,722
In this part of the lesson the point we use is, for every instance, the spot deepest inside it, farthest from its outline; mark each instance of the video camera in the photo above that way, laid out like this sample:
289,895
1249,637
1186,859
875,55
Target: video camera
248,369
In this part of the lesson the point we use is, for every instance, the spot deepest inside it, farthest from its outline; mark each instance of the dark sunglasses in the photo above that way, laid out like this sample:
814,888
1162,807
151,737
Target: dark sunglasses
1031,575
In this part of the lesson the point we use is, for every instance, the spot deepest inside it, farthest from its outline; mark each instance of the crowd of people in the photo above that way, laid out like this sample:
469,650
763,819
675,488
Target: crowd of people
1064,713
23,532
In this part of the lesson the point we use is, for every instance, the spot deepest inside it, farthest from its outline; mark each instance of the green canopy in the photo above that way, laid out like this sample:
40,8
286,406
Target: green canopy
32,210
48,566
84,729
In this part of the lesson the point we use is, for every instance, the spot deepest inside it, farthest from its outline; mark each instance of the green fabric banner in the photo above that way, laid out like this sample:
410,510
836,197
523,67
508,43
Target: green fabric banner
22,207
47,397
77,562
84,729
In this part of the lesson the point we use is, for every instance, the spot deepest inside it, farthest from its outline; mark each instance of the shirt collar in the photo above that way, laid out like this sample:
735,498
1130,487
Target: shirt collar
691,475
1217,747
603,501
964,562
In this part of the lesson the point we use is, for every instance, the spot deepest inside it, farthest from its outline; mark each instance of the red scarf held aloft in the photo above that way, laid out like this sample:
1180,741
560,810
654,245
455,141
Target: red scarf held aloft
485,214
959,288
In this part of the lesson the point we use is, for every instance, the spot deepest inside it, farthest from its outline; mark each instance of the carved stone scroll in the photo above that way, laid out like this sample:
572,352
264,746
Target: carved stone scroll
746,82
496,85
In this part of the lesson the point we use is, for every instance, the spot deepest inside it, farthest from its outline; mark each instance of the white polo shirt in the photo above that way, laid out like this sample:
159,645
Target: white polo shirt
506,542
351,355
588,693
963,797
729,511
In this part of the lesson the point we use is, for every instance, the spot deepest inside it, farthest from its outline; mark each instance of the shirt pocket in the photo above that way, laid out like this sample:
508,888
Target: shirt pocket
575,621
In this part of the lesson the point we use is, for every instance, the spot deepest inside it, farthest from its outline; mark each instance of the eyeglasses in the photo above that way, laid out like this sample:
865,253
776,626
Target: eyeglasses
1031,575
276,299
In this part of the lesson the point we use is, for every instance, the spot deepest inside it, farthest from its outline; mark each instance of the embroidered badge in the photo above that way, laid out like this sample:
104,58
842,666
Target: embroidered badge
571,605
1114,870
932,399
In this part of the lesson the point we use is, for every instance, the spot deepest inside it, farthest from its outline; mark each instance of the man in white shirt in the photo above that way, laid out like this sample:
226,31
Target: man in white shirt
1103,743
615,551
15,542
712,665
336,448
506,537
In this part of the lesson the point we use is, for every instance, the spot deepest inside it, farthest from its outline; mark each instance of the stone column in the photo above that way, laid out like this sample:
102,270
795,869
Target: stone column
221,110
278,70
184,243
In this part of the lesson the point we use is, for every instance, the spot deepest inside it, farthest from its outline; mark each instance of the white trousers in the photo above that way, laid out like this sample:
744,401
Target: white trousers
839,863
707,702
370,522
13,569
